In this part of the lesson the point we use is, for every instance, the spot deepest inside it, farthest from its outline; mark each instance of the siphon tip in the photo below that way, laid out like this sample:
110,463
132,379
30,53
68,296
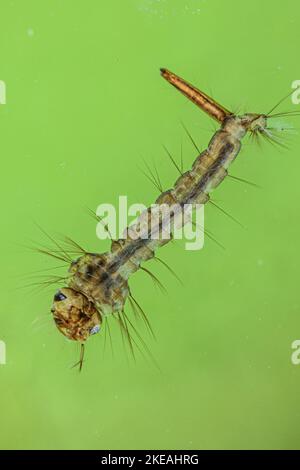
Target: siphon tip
167,75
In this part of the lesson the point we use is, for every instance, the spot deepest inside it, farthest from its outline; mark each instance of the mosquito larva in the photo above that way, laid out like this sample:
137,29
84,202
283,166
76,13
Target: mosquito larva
98,283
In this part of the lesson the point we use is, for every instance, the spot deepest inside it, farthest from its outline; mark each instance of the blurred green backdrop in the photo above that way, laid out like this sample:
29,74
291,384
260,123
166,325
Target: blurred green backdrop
85,105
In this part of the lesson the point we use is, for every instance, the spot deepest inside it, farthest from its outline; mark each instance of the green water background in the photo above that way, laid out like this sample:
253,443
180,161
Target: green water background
85,105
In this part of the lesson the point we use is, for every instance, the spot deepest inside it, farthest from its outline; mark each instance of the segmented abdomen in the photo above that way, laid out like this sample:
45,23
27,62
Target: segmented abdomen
104,278
193,187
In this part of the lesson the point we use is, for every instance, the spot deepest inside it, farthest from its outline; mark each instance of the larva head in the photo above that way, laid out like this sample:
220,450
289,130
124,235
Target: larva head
254,122
75,316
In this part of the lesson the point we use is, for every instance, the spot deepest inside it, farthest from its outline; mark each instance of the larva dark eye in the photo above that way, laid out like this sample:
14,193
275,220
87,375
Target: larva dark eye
59,296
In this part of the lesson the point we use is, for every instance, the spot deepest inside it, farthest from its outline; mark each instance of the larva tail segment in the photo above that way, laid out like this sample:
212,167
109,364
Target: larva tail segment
203,101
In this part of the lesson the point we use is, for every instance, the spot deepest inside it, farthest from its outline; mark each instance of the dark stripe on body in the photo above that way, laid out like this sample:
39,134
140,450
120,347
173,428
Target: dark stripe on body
226,150
131,248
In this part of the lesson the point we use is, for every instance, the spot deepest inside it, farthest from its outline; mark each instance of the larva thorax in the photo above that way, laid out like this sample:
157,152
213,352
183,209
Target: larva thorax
90,275
98,283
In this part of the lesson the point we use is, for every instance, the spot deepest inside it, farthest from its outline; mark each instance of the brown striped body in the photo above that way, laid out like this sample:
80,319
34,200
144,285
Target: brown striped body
102,279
